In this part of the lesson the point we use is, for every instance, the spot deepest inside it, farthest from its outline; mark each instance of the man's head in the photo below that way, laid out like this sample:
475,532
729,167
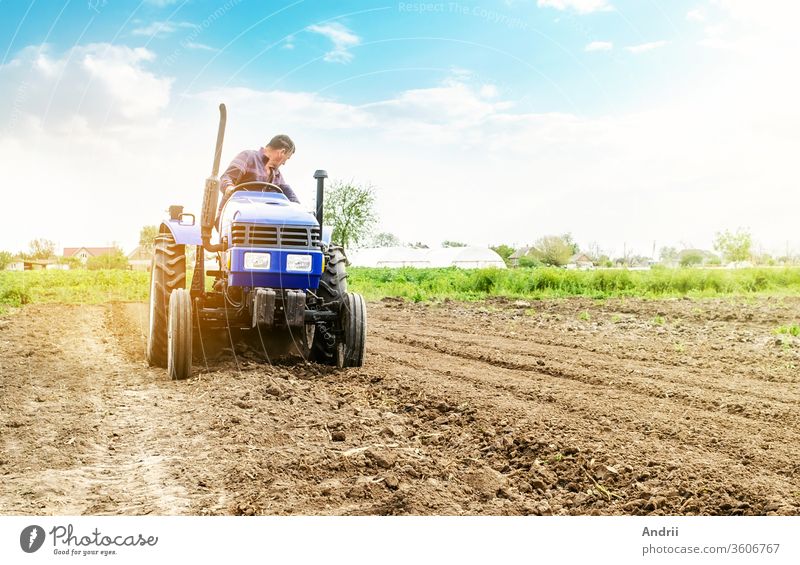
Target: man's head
278,150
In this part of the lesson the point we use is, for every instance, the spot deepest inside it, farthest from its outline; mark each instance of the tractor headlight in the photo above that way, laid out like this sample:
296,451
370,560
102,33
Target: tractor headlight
256,261
300,263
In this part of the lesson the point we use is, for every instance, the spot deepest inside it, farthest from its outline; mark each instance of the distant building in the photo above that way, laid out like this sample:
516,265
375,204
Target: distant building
580,262
29,265
461,257
517,255
140,258
83,253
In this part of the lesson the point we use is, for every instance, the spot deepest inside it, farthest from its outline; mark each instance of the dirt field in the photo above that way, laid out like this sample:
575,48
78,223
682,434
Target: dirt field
557,407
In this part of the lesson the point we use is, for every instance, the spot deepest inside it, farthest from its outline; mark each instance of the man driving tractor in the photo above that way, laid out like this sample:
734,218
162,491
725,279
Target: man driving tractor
259,165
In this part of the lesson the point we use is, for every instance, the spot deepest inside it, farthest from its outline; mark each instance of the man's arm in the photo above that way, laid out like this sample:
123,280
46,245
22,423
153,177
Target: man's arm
233,173
287,190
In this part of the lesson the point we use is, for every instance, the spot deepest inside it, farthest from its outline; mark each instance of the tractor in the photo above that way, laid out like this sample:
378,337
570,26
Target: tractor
279,274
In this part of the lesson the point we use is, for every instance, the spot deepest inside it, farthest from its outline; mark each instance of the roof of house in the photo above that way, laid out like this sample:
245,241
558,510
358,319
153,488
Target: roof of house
93,251
140,254
521,252
580,258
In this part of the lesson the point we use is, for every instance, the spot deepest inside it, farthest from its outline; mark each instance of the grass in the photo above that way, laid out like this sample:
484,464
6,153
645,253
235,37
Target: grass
81,287
792,329
476,284
71,287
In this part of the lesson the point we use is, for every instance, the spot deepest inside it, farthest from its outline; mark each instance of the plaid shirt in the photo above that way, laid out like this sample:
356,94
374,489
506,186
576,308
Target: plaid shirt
251,165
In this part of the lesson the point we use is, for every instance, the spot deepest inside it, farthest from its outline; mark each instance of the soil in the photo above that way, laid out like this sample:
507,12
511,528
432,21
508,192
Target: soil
564,407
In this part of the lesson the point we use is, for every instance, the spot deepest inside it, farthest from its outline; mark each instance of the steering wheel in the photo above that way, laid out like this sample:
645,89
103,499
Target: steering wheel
257,186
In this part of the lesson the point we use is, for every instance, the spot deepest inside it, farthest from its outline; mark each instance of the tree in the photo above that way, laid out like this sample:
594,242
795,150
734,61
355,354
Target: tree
554,250
385,239
6,259
668,255
595,253
147,238
734,247
448,243
41,249
567,237
71,262
505,251
113,260
350,209
690,258
530,261
418,245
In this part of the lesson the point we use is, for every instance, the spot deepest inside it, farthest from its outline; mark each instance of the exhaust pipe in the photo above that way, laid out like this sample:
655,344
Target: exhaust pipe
211,194
320,175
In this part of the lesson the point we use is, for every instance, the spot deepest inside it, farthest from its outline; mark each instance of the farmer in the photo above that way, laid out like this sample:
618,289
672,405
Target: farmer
259,165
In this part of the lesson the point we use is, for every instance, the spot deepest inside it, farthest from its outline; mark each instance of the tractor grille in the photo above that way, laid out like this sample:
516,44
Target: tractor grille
254,235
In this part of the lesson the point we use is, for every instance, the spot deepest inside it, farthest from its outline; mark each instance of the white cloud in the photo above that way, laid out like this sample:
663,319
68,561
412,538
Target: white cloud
763,29
199,46
99,84
488,91
642,48
580,6
342,39
696,15
160,29
599,46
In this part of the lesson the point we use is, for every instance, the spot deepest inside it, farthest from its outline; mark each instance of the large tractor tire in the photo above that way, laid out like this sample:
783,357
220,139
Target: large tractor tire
179,335
350,350
332,288
167,273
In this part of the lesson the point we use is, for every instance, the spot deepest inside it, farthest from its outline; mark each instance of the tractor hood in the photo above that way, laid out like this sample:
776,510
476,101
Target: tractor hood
264,208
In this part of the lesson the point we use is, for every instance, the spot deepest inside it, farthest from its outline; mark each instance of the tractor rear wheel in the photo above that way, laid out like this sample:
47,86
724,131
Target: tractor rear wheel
167,273
350,349
332,288
179,335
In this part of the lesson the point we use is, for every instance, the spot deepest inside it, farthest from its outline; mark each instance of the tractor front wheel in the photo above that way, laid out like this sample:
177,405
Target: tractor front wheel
179,335
167,273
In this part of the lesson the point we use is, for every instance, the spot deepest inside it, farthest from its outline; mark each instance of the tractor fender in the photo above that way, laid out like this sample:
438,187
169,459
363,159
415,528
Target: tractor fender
183,233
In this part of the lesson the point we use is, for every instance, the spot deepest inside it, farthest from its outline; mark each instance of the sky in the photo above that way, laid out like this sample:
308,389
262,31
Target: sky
632,125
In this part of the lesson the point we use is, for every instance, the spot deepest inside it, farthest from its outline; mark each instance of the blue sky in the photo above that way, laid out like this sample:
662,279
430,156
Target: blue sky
535,54
623,122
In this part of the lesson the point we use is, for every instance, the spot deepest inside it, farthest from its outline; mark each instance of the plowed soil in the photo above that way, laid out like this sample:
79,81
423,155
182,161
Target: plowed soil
555,407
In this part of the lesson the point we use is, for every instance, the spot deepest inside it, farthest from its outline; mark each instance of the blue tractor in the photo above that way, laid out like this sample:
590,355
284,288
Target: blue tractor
279,274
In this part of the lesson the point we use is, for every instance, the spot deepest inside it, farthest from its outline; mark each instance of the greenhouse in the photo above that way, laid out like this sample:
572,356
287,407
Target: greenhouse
462,257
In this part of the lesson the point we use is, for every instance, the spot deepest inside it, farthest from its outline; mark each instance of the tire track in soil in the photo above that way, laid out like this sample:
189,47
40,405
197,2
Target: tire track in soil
708,363
77,427
647,380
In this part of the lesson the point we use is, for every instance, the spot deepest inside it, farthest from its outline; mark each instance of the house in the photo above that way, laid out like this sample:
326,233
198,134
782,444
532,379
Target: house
580,262
28,265
517,255
83,253
139,259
